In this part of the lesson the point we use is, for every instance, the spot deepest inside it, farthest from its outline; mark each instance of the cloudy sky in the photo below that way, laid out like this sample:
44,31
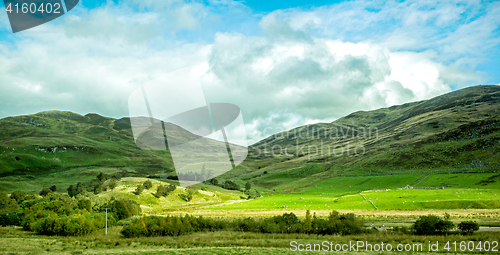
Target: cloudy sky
285,63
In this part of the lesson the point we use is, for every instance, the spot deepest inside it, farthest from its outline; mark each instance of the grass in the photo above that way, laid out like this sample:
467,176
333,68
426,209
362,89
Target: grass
223,242
340,185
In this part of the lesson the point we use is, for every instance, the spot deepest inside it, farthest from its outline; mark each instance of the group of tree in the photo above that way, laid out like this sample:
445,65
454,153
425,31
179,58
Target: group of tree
231,185
188,196
60,214
335,223
46,191
435,225
141,187
163,191
96,186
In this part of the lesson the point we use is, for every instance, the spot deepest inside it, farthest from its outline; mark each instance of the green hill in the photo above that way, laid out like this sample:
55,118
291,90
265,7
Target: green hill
450,141
455,132
57,141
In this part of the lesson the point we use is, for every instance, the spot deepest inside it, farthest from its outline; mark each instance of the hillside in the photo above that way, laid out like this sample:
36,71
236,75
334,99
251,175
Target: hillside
455,132
458,132
56,141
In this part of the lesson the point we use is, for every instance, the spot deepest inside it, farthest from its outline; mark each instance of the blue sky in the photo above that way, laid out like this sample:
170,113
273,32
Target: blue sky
285,63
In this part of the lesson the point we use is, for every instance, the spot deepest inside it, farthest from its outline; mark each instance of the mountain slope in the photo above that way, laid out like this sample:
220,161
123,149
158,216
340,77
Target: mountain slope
57,140
458,131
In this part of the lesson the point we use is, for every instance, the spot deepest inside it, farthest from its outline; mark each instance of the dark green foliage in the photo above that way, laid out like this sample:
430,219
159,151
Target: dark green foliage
123,208
253,193
171,226
346,224
100,177
19,196
468,227
53,188
139,189
71,226
248,186
148,184
188,196
85,204
112,183
231,185
214,181
432,225
9,217
45,192
72,191
163,191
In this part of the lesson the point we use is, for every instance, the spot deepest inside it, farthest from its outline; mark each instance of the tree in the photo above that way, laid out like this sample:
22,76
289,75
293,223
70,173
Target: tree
189,194
253,193
231,185
214,181
112,183
19,196
468,227
85,204
148,184
163,191
307,222
100,177
72,191
248,186
53,188
45,192
432,225
139,189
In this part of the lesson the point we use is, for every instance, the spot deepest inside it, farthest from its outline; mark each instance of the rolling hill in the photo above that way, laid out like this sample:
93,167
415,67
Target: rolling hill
457,133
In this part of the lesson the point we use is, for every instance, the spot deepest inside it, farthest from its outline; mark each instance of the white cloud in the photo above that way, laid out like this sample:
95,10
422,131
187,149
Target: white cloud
304,66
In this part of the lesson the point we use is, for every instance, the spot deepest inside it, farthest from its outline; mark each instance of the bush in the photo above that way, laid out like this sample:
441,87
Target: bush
19,196
190,192
148,184
432,225
10,218
45,192
345,224
139,189
124,208
85,204
112,183
163,191
231,185
468,227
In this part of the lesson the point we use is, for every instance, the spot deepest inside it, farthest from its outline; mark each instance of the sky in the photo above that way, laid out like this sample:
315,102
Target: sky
284,63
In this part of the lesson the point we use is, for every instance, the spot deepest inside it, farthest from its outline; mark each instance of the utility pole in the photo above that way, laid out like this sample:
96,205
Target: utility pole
107,219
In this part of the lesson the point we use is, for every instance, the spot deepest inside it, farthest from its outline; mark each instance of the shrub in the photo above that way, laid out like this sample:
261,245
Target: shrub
231,185
148,184
139,189
45,192
53,188
10,218
432,225
18,195
112,183
85,204
163,191
124,208
468,227
190,192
